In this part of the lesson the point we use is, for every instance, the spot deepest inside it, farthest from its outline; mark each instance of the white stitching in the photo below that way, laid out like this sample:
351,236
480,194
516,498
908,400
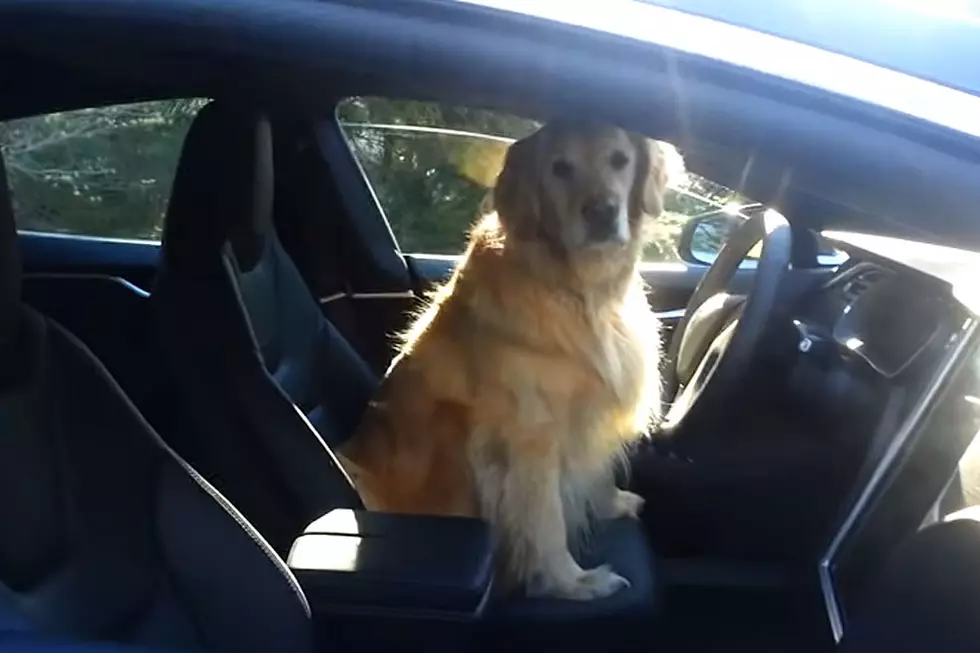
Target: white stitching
232,512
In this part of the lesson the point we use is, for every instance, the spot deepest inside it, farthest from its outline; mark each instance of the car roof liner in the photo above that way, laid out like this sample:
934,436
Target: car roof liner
776,141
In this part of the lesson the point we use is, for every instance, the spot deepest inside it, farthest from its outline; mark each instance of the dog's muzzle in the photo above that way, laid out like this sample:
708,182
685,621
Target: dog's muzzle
602,220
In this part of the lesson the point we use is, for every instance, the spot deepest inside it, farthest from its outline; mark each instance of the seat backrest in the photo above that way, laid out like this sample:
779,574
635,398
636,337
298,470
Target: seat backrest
270,384
105,534
927,598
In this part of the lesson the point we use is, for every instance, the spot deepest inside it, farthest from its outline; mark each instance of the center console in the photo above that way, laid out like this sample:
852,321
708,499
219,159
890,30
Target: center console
383,578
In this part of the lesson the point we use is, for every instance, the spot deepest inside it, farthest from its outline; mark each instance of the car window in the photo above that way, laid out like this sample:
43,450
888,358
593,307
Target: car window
961,498
101,172
431,166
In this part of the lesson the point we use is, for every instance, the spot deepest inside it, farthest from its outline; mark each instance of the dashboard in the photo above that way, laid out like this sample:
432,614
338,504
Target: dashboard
880,314
887,363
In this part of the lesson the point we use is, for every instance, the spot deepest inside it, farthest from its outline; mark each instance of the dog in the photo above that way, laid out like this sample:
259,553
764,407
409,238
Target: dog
519,387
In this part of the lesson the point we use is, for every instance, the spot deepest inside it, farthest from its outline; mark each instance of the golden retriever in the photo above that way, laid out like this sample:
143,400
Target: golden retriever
516,390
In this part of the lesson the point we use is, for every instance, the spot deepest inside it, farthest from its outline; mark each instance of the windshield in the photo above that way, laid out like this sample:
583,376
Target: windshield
937,40
938,54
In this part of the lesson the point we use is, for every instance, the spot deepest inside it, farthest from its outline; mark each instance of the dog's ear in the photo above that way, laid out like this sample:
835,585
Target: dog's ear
655,161
515,195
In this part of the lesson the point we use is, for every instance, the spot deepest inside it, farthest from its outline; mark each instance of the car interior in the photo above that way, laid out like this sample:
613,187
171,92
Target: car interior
170,408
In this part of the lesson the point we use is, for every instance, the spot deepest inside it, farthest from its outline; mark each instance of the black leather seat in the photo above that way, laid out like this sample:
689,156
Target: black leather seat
248,344
264,376
105,534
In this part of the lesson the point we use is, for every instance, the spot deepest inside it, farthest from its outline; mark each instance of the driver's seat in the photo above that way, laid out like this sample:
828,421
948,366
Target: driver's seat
225,297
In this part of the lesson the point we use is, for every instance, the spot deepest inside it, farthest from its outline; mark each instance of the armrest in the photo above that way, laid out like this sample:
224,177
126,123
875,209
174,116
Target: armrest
360,561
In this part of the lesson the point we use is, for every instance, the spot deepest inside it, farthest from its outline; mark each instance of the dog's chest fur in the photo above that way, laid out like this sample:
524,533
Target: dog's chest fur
509,356
620,361
590,366
597,391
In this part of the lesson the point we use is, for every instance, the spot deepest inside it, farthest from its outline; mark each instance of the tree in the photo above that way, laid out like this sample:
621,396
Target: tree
103,172
420,177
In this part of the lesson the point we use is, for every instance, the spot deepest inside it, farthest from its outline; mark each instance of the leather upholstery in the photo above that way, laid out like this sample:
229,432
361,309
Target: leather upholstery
105,534
623,545
265,377
364,561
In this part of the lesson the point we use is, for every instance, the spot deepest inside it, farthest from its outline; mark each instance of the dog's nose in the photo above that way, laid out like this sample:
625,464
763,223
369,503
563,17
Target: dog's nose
601,213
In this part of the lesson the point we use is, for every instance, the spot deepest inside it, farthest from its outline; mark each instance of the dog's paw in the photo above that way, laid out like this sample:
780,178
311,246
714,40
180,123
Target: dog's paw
627,504
596,584
579,585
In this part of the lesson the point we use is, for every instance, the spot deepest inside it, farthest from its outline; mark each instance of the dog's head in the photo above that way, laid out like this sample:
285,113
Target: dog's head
581,188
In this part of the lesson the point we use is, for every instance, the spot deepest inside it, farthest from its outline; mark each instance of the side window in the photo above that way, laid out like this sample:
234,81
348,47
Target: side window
102,172
961,498
431,165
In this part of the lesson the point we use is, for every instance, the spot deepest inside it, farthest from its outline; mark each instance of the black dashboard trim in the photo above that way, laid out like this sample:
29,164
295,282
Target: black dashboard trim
855,271
965,338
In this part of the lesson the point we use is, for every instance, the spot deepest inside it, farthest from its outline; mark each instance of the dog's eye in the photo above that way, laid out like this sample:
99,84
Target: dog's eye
618,160
562,169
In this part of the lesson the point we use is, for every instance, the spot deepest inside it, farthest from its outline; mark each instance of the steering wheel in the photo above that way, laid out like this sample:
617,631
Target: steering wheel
715,342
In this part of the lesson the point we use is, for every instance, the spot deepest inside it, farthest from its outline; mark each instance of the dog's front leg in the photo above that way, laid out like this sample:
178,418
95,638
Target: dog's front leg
625,504
519,485
610,502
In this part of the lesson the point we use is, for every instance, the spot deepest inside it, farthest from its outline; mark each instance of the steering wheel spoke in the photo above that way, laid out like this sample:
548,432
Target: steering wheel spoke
712,347
706,366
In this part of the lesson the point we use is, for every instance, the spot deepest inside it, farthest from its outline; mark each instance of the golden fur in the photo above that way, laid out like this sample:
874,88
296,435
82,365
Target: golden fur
518,387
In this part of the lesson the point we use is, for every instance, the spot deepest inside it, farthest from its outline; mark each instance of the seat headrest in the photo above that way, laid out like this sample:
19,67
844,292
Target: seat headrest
222,190
9,263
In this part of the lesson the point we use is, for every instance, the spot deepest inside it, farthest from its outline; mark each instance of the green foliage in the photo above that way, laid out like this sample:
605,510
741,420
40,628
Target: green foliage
417,175
107,172
425,182
100,172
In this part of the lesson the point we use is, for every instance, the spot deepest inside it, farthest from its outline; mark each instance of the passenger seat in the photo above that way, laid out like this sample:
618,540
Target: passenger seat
264,376
106,534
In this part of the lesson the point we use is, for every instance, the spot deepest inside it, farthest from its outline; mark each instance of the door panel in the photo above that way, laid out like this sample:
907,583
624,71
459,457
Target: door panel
98,290
133,261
